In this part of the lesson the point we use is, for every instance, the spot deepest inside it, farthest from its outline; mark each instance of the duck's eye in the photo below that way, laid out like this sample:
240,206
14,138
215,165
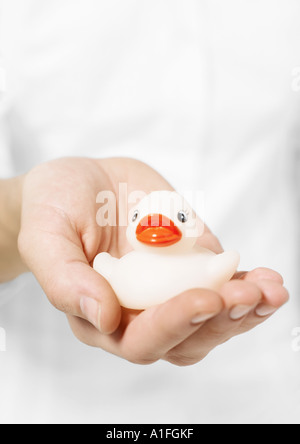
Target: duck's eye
182,217
135,216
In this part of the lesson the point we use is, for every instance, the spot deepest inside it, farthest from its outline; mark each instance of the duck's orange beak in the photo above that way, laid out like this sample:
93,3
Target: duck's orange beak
158,231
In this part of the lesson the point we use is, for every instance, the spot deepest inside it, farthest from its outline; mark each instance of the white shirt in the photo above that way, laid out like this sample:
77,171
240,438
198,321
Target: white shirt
203,91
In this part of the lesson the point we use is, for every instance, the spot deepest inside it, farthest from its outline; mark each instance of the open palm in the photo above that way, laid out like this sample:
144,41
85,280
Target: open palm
60,238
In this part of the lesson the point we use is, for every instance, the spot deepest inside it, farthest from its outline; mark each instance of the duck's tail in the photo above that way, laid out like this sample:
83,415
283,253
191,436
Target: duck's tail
224,266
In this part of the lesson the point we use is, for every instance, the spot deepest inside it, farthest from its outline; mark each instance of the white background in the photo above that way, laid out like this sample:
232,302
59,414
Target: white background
203,91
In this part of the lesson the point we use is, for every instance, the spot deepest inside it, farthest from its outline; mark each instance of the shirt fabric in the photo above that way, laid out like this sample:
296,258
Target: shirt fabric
203,92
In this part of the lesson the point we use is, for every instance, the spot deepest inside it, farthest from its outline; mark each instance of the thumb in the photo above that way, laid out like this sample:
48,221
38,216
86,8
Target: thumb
68,280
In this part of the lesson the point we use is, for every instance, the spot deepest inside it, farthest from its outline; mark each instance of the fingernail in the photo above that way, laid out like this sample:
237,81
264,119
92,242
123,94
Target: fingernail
202,318
265,310
91,310
239,312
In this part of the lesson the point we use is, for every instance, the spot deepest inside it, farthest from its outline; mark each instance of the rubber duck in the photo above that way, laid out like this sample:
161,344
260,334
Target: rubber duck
166,260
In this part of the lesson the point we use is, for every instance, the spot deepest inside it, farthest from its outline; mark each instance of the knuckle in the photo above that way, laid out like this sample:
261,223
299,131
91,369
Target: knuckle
181,360
138,358
141,360
204,300
216,333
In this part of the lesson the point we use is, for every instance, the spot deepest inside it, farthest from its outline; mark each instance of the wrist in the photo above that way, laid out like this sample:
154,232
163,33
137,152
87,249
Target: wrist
11,264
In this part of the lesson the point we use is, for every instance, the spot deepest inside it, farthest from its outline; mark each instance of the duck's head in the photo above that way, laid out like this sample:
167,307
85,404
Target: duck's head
163,222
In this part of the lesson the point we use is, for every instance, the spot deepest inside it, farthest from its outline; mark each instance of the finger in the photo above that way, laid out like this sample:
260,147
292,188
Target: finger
72,286
260,274
239,299
161,328
153,332
271,284
238,294
274,297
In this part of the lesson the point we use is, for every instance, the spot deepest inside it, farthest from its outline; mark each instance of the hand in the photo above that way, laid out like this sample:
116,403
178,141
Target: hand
59,239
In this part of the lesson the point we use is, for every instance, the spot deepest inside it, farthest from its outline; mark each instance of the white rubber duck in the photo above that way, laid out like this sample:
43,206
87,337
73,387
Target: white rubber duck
163,231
